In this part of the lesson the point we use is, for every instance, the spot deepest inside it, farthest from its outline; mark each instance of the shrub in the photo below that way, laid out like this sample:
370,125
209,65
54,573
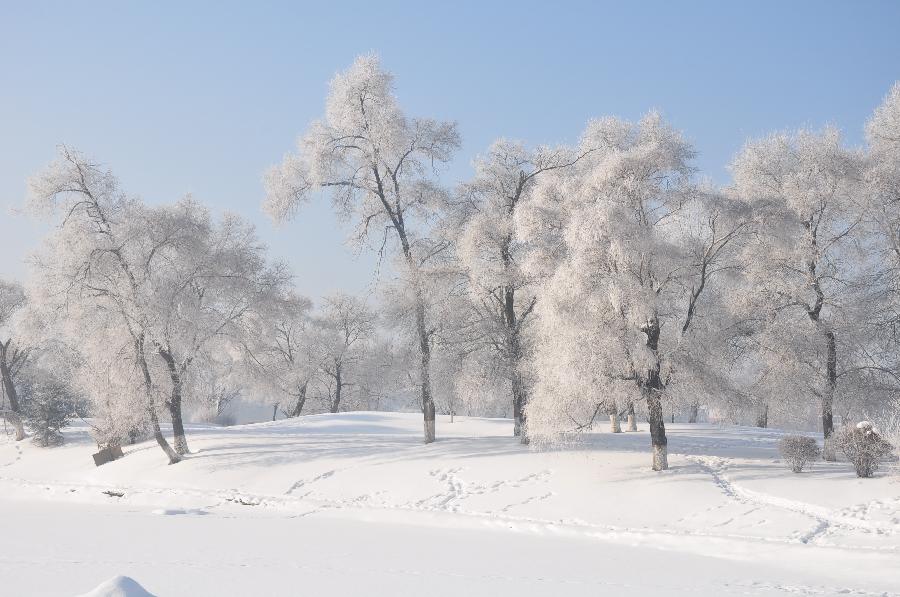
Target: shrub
48,407
797,450
225,420
863,445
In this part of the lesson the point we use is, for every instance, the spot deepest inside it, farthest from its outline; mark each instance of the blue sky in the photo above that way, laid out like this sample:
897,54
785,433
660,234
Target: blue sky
197,97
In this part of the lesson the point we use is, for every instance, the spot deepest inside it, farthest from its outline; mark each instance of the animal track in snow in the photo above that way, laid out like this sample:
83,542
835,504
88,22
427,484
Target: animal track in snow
304,482
457,490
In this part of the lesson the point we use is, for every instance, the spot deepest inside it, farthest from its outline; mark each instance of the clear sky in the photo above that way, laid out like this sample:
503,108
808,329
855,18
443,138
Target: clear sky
200,97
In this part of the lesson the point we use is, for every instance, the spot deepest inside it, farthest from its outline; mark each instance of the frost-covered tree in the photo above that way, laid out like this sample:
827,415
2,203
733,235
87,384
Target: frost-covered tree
218,382
12,356
93,272
50,399
627,247
282,349
208,277
346,326
378,165
501,291
168,280
883,181
378,376
878,358
802,263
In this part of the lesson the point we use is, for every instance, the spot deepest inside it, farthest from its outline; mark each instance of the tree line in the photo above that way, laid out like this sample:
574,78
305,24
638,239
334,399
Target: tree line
556,285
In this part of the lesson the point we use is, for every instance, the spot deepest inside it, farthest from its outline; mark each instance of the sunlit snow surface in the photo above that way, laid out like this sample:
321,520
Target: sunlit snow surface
119,586
355,504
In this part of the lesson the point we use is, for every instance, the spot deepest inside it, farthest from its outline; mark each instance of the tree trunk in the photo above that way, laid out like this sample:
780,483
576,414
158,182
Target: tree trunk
653,388
428,415
762,419
632,422
520,401
828,398
338,386
657,429
421,323
173,456
519,391
10,389
16,421
180,439
301,400
517,411
694,413
425,371
174,403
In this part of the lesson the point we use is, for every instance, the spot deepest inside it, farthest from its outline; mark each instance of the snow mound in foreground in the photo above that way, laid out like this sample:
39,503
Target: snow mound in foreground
119,586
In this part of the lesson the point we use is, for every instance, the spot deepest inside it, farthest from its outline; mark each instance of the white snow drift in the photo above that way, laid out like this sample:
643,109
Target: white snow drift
350,503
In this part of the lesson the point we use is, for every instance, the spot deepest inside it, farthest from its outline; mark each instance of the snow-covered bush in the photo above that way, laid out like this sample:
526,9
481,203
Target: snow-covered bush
797,450
49,404
864,446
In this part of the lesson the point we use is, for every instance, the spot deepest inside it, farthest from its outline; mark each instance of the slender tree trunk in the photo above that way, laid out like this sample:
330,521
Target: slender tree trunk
815,313
632,421
694,413
520,401
172,455
514,348
421,323
828,398
338,386
517,407
658,438
653,389
10,389
174,403
301,400
425,371
762,419
180,439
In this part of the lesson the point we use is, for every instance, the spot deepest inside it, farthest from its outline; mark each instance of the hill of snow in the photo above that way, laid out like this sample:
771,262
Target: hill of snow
354,504
119,586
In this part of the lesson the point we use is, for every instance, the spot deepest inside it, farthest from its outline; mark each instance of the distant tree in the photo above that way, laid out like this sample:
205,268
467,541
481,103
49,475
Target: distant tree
283,352
347,326
375,162
218,382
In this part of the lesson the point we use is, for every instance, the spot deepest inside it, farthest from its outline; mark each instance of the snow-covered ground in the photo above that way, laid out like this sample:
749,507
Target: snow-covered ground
355,504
